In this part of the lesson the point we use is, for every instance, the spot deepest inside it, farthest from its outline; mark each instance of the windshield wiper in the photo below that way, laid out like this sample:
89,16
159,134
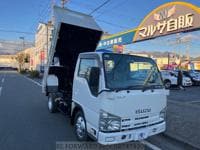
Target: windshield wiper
106,90
151,87
148,87
145,86
120,89
131,87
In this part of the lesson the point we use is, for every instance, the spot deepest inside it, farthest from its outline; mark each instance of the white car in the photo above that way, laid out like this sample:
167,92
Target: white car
186,80
170,78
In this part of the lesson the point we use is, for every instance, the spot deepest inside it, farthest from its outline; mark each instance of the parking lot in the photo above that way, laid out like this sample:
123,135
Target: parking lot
183,115
190,95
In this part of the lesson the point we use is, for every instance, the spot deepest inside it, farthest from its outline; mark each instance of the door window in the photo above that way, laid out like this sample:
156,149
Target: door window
85,67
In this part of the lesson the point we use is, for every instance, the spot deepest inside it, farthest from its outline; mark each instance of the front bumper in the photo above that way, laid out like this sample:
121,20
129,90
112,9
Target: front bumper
187,84
132,135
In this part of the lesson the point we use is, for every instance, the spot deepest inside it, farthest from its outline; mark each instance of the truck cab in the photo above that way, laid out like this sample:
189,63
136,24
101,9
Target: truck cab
122,97
113,98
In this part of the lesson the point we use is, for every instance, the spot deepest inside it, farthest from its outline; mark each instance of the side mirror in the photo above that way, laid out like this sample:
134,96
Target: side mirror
93,80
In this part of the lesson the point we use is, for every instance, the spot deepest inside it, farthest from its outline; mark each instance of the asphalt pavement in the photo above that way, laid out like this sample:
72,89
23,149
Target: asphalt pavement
191,95
183,122
25,122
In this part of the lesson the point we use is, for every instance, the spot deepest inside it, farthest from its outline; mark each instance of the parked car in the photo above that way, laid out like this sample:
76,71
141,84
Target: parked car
8,68
197,71
170,78
186,80
194,76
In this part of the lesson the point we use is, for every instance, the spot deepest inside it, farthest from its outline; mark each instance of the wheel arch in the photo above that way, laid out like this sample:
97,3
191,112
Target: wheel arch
168,80
76,109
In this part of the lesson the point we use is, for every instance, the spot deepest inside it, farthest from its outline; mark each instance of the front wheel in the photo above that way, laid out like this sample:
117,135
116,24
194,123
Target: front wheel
167,84
80,127
52,107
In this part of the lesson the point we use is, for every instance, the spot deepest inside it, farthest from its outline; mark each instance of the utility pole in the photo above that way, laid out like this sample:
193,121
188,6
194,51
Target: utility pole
63,2
177,50
168,55
187,53
52,6
47,27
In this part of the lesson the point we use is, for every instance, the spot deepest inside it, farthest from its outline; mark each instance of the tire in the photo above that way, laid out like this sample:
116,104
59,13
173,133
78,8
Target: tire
52,106
167,84
80,128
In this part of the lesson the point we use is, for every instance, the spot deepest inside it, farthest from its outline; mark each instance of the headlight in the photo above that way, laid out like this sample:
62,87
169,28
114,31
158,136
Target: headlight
163,113
109,122
197,79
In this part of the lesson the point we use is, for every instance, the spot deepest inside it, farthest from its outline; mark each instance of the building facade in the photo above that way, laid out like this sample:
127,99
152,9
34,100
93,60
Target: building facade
42,44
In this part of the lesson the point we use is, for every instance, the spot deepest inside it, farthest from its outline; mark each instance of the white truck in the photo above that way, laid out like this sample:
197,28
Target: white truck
113,98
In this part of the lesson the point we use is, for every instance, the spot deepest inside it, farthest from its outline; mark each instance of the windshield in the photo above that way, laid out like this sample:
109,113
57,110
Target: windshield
123,71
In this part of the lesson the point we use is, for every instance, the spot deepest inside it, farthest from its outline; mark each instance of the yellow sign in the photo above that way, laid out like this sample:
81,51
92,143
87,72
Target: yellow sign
170,18
182,22
167,19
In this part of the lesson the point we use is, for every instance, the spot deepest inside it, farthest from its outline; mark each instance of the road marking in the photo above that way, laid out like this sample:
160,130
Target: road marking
154,147
0,90
37,83
191,102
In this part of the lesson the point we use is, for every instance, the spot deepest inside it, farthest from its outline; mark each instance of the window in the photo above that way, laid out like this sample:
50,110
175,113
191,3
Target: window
124,71
85,66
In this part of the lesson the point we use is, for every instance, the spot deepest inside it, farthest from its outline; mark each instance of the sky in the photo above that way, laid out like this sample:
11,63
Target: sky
115,16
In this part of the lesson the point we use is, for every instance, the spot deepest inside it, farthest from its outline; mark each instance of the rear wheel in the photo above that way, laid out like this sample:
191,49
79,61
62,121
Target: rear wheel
80,127
52,107
167,84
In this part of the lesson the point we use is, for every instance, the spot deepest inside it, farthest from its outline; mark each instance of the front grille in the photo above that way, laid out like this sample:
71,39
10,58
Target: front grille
141,123
124,120
142,126
139,118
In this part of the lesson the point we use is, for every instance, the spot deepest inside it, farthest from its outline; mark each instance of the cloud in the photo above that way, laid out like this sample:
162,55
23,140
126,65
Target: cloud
11,47
189,37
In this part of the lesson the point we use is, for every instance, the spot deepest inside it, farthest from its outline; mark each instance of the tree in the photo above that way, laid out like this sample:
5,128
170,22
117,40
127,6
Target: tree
27,58
21,60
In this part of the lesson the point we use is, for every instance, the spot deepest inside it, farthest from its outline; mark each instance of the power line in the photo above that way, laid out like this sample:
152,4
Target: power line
15,45
43,12
111,9
15,31
99,7
116,25
104,21
82,5
2,41
19,32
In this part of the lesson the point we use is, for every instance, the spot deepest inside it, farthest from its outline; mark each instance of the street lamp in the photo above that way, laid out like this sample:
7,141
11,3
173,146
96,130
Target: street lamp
23,39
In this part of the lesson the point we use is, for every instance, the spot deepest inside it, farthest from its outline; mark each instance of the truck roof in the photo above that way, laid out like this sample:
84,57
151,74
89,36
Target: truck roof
109,51
67,16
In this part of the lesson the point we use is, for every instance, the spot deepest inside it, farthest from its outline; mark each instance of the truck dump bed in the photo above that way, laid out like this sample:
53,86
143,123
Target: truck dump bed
73,34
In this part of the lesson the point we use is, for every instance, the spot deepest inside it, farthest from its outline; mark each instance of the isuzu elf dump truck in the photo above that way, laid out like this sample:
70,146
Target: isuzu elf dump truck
112,98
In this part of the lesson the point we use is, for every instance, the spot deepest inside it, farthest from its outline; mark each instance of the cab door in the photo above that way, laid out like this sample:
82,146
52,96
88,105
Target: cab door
84,93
